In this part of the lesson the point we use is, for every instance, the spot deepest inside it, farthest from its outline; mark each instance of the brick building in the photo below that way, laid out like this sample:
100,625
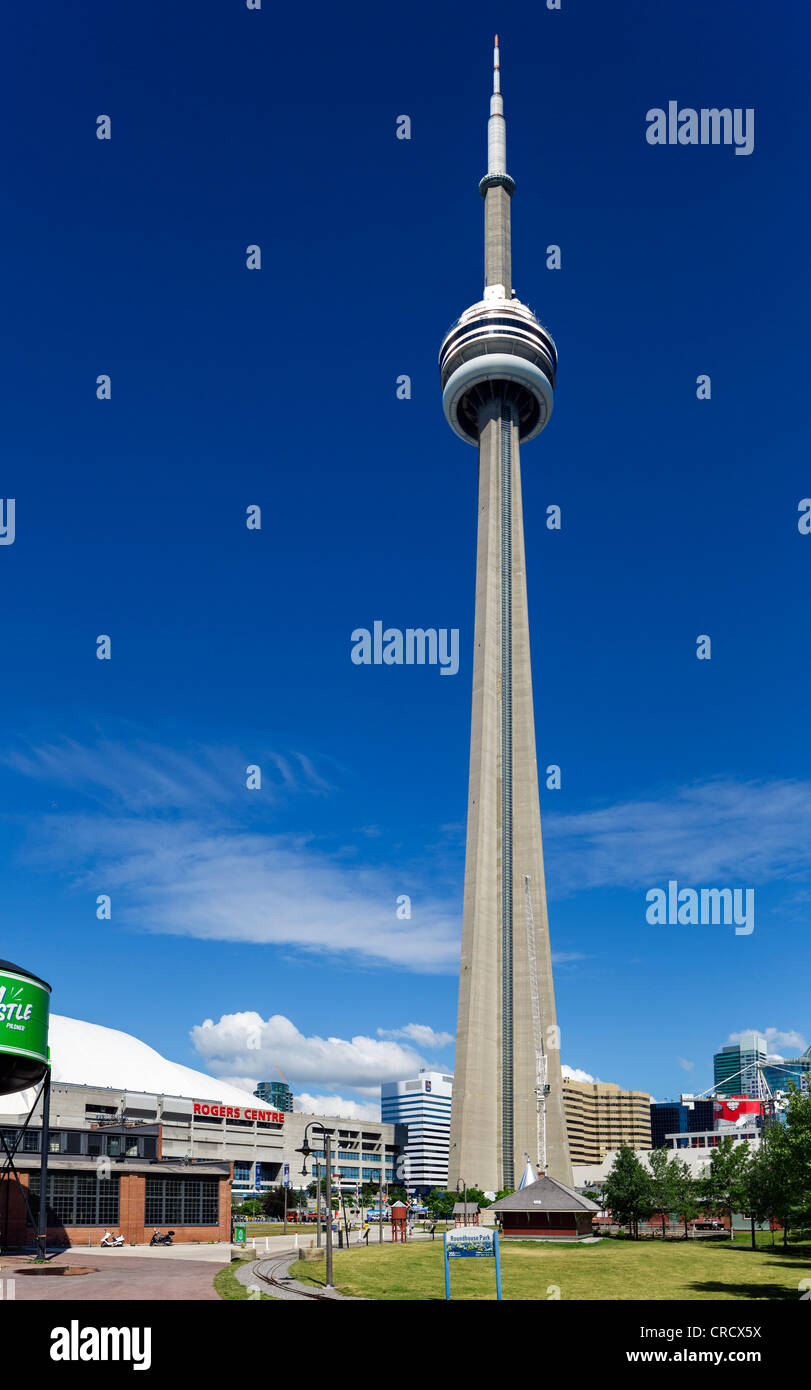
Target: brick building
88,1196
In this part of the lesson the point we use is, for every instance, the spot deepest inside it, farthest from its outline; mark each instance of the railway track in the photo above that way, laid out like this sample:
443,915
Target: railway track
276,1273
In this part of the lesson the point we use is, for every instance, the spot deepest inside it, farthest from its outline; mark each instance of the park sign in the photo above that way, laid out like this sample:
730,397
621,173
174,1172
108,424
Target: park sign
471,1242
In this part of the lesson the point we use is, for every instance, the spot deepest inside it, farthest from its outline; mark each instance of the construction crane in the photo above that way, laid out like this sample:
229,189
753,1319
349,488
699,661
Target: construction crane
541,1083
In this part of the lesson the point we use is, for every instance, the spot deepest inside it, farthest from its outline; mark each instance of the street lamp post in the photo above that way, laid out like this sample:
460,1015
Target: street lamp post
305,1150
460,1182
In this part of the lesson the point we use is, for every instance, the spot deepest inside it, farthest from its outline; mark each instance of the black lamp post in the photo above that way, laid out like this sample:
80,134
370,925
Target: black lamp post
305,1150
461,1183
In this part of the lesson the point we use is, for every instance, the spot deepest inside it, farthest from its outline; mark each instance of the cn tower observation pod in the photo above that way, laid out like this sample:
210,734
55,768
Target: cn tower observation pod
497,350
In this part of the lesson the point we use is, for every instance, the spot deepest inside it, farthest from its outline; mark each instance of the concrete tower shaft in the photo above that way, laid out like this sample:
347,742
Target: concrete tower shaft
497,366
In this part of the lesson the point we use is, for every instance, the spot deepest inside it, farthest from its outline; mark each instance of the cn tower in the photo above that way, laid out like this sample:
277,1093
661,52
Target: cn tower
497,367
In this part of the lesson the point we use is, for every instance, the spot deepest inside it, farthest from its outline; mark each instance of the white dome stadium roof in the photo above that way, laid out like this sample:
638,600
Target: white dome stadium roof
87,1054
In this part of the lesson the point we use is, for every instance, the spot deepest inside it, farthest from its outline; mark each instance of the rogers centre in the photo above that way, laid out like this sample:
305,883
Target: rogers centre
233,1112
179,1146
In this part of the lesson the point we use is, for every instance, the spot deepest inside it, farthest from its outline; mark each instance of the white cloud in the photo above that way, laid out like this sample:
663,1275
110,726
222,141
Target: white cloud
339,1106
685,1065
793,1042
309,1104
421,1034
574,1074
242,1083
246,1043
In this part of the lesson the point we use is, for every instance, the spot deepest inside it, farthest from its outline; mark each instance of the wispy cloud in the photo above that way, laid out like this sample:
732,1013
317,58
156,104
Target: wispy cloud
144,776
704,833
420,1034
177,849
179,853
219,884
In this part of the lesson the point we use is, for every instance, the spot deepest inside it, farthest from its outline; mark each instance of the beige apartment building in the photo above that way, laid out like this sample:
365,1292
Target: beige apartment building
601,1116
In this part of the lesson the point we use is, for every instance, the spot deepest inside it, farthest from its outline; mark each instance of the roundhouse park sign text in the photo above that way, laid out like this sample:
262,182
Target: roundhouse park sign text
472,1242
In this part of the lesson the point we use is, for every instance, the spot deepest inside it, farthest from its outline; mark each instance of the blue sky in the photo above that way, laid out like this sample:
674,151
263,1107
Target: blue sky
231,647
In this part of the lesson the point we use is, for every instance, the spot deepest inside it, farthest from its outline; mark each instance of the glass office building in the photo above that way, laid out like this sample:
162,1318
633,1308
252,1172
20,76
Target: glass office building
685,1116
737,1069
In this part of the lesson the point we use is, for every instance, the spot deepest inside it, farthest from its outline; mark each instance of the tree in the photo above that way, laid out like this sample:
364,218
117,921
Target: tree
251,1207
627,1190
273,1202
796,1157
723,1186
780,1179
665,1174
686,1203
440,1203
766,1194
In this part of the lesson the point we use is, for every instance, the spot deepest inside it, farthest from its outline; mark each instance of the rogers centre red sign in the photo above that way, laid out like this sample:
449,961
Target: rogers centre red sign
237,1112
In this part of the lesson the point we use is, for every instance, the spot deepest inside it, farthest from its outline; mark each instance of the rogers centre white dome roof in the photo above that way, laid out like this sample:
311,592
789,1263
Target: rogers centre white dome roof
87,1054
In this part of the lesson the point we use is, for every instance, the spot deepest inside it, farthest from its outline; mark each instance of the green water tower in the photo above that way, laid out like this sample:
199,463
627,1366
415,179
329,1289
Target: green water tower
24,1003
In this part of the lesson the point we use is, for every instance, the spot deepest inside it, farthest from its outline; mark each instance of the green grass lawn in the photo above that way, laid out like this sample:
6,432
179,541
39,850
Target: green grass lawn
612,1269
228,1286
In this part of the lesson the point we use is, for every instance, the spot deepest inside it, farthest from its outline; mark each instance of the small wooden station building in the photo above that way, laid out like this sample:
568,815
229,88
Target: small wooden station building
546,1210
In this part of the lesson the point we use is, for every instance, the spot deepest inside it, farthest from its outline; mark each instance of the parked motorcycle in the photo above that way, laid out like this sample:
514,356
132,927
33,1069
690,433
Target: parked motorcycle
111,1241
158,1239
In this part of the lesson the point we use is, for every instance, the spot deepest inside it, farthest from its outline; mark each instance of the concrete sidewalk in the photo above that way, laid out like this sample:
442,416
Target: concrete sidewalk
219,1252
147,1277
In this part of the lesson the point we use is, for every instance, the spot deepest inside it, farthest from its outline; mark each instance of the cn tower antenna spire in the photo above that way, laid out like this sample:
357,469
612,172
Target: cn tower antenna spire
497,189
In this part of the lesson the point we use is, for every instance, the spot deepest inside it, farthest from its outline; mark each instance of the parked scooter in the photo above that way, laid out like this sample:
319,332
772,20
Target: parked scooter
158,1239
112,1241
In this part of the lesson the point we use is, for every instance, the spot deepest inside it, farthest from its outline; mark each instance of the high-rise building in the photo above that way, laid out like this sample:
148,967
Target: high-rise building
735,1068
276,1094
497,366
689,1115
780,1074
601,1116
423,1103
746,1068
